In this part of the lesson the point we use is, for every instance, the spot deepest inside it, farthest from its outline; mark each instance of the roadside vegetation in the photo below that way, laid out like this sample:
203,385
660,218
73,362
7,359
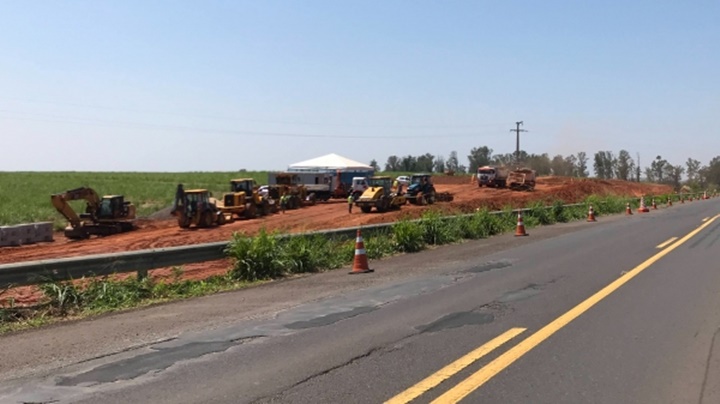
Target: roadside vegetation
267,256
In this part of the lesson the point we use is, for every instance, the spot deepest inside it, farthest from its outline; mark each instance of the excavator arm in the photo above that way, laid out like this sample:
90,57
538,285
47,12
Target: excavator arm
60,202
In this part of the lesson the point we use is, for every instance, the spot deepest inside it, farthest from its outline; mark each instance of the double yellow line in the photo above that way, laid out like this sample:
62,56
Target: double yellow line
477,379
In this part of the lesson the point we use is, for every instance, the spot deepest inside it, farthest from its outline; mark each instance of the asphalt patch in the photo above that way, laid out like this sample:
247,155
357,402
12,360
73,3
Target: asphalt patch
159,360
455,320
489,266
521,294
330,318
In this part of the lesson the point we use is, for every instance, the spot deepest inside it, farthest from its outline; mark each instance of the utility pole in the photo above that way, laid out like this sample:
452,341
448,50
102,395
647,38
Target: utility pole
517,131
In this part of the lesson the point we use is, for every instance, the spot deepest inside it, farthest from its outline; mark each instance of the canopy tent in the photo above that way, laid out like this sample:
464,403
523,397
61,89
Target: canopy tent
331,161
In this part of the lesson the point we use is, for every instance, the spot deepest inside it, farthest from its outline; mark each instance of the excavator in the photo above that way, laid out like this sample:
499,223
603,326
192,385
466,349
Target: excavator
104,216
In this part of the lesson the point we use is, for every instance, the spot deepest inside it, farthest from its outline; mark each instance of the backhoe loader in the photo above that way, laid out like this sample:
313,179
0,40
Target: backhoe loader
104,216
196,207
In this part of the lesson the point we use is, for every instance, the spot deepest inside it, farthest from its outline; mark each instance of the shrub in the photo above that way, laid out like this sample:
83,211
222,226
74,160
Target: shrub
408,236
437,230
256,258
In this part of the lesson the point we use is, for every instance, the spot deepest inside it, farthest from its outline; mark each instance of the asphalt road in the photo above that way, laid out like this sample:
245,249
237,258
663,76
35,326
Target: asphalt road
584,312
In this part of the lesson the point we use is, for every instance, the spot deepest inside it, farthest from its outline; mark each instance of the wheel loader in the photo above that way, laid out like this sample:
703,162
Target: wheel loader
244,201
197,207
379,195
421,191
104,216
289,184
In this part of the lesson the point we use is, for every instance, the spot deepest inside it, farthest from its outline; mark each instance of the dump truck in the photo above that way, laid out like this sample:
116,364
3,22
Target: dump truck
104,216
492,176
421,191
197,207
244,200
521,179
380,196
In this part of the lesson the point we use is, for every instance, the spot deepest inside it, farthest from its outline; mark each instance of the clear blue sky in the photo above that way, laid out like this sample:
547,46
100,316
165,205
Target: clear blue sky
224,85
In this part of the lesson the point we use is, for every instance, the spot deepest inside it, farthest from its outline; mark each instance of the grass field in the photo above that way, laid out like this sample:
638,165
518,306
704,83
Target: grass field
25,196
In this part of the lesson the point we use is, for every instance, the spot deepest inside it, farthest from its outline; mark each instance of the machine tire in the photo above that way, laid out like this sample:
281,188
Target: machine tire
184,221
366,209
250,211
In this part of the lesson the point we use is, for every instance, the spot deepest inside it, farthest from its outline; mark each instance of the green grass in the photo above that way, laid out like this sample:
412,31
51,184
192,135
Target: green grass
25,196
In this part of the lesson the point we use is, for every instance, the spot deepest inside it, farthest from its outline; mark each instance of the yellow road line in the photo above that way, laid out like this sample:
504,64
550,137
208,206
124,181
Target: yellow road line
706,219
477,379
453,368
663,245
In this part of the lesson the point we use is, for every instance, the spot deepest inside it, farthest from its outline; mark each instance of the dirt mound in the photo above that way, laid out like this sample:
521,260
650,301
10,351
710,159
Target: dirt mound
162,214
452,179
156,233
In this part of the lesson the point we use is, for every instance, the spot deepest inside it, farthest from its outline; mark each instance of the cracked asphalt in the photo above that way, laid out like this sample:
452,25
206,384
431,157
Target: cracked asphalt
330,338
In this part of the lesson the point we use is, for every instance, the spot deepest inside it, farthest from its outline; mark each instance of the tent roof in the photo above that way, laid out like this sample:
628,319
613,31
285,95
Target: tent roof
330,161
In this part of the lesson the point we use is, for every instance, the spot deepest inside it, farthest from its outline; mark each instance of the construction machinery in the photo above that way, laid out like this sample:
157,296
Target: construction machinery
104,216
197,207
521,179
380,195
492,176
244,200
421,191
289,184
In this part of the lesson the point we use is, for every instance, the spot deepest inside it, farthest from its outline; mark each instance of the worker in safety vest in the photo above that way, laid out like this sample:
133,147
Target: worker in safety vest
350,203
283,203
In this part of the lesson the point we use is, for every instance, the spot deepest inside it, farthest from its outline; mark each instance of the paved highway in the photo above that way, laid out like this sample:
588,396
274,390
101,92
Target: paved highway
625,310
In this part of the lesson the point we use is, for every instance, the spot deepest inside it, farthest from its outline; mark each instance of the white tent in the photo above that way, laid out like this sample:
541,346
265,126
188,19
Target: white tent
331,161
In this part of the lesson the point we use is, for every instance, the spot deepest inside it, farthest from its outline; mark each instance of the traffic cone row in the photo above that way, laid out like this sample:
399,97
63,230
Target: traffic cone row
360,262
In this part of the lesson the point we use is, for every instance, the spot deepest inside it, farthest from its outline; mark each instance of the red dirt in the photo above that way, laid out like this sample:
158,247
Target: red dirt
468,197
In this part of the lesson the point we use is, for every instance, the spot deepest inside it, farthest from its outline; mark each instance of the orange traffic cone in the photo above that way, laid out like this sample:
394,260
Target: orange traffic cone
628,211
682,198
591,215
690,198
669,201
654,205
705,195
520,231
643,208
360,263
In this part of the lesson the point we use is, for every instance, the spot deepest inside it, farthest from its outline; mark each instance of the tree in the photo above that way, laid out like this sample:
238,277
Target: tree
693,166
604,164
625,166
571,166
479,156
393,163
408,163
439,165
452,163
710,174
425,163
539,162
563,166
658,168
674,175
374,165
582,169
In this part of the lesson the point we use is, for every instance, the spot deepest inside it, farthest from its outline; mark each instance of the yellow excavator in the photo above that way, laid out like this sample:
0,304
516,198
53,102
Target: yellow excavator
104,216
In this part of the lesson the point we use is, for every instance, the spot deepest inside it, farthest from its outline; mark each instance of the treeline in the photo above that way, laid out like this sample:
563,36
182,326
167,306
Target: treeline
605,164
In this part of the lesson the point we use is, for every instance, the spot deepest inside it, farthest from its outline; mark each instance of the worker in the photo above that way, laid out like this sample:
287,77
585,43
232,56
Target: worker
283,203
395,184
350,203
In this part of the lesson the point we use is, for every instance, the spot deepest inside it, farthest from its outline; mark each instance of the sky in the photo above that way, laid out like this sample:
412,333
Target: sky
258,85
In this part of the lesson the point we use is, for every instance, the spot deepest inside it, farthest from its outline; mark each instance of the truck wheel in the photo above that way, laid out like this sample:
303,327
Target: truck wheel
366,209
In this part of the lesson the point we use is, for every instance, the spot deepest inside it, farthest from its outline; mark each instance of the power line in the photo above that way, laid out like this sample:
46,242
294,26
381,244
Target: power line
278,122
233,132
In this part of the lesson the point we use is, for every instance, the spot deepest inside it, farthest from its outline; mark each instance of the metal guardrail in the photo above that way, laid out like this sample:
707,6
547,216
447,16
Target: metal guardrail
34,272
